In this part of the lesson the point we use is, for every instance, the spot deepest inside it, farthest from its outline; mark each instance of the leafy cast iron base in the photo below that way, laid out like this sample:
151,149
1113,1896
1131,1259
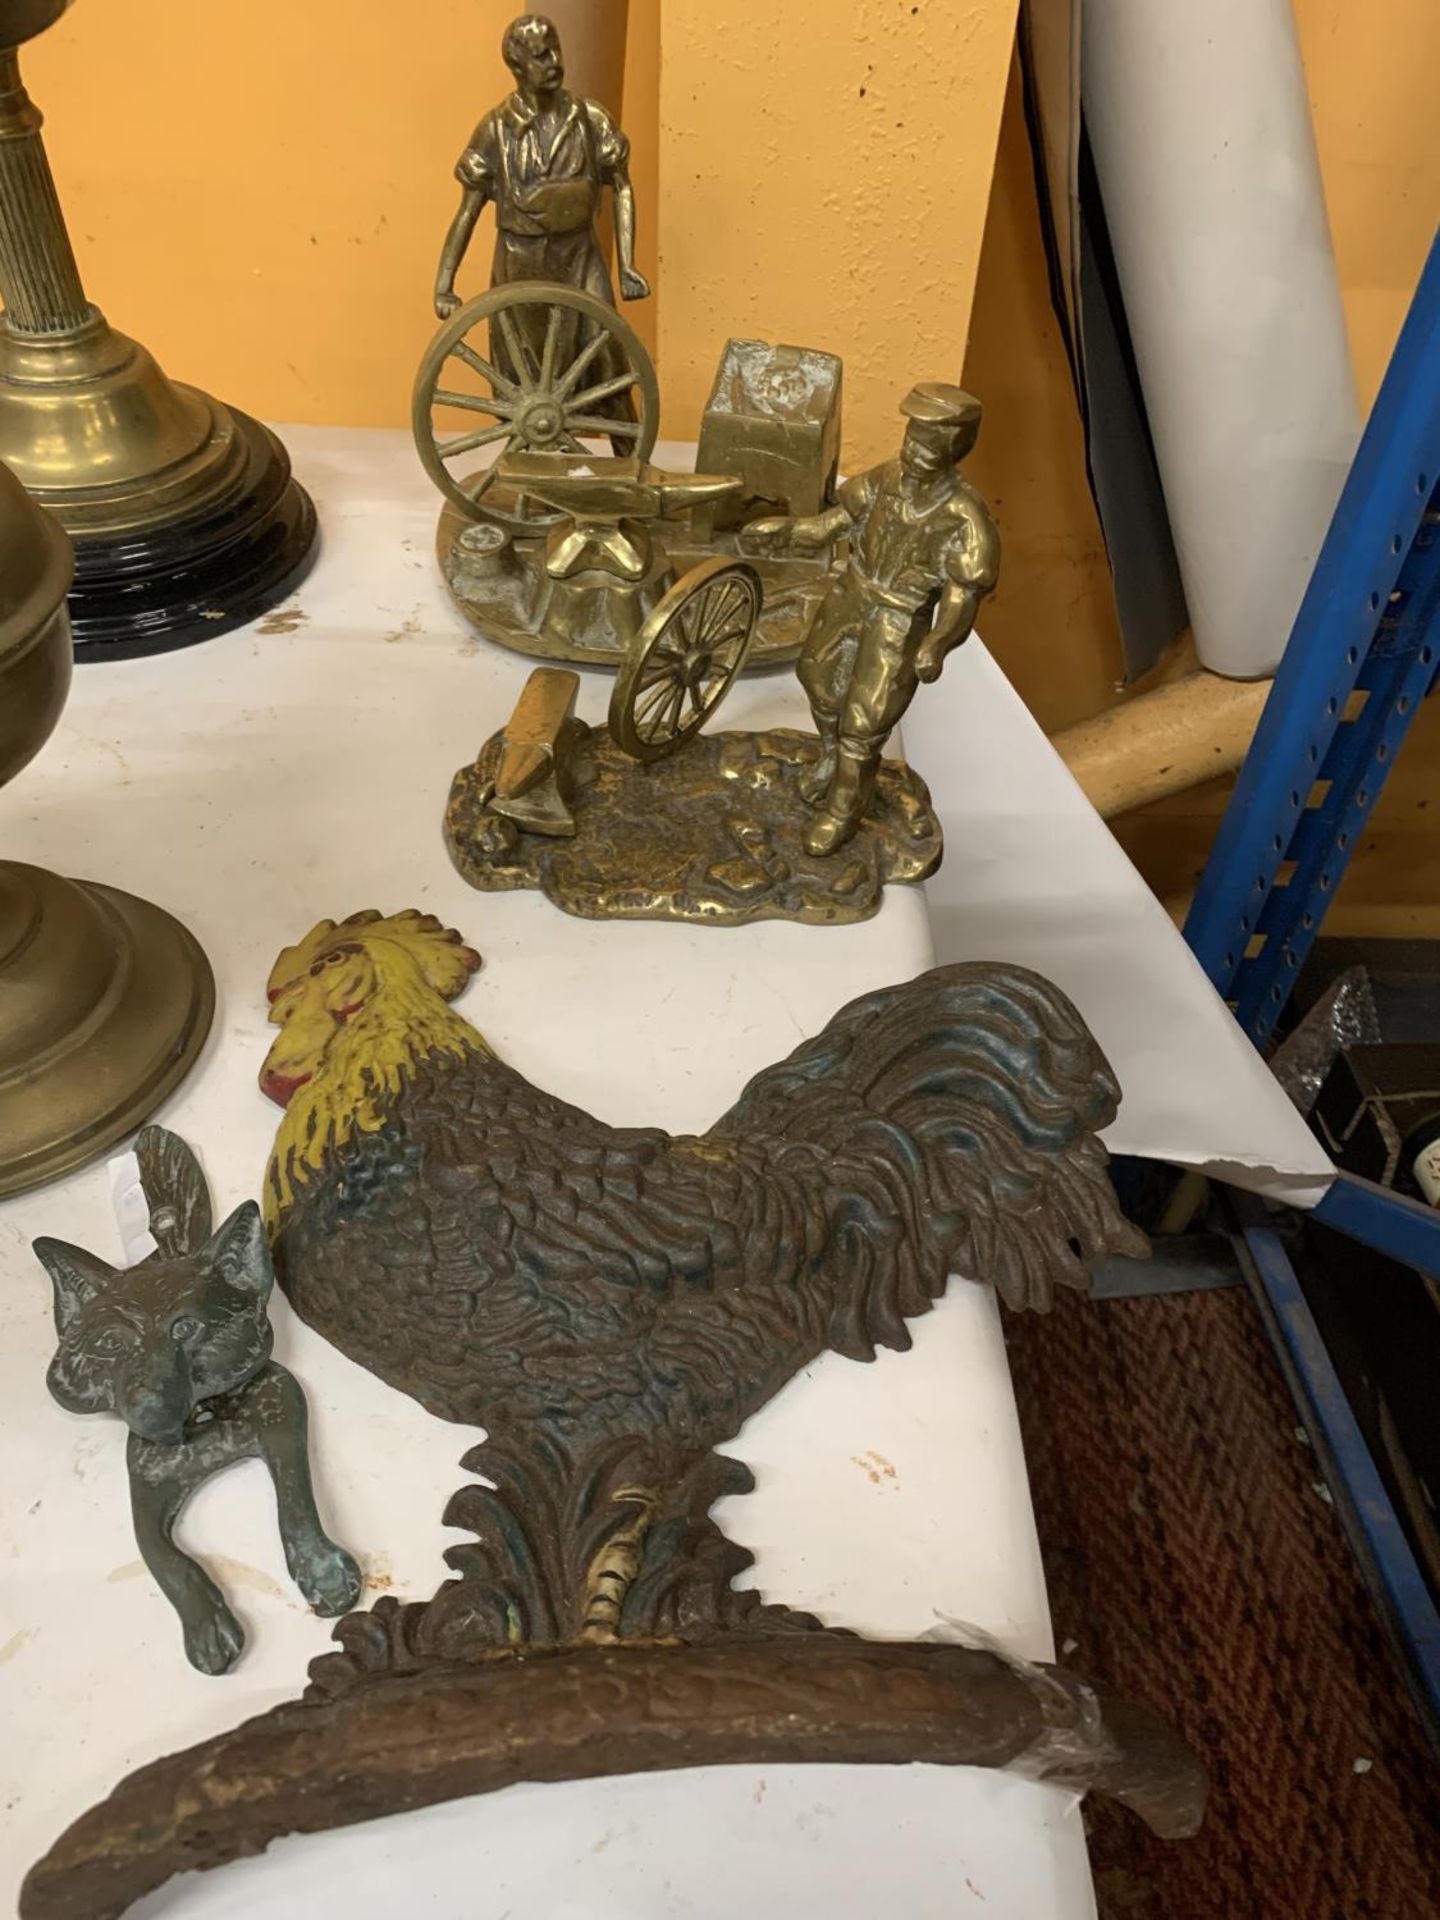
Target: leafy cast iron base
593,1630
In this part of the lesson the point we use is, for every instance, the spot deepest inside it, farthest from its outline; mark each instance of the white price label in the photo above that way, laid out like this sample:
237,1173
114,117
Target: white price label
132,1209
1426,1168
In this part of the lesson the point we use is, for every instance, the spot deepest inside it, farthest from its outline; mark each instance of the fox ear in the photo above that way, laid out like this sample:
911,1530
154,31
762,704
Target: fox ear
241,1253
77,1277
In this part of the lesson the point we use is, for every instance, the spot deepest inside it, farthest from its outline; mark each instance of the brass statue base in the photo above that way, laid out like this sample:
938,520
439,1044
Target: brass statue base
713,834
105,1003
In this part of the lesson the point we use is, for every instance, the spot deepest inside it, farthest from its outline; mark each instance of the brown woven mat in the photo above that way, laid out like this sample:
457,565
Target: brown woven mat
1192,1564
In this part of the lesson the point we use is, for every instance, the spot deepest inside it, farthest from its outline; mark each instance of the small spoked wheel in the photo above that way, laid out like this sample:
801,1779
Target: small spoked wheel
682,661
528,368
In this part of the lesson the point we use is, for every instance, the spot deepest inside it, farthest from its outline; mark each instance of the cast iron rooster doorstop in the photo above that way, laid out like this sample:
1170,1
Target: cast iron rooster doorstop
610,1305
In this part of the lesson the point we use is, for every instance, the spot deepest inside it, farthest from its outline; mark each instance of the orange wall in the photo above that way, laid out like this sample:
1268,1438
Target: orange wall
258,189
825,171
1371,73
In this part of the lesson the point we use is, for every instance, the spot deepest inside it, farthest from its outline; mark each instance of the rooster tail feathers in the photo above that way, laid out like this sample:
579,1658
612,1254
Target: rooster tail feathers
958,1115
989,1033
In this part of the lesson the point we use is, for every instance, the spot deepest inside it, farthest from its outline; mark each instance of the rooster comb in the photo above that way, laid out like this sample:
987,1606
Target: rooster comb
442,956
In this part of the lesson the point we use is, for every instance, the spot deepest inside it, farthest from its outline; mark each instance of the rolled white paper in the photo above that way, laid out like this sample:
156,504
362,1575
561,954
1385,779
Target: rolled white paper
1203,145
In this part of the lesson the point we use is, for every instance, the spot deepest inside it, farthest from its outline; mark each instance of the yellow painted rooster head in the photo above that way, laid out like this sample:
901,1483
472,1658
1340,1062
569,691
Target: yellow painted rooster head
358,1003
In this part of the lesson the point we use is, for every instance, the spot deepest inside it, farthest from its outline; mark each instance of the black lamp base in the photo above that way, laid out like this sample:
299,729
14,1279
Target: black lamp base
194,578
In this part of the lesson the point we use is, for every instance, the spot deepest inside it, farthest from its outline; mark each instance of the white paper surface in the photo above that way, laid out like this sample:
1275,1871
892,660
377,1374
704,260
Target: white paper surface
1033,874
1200,127
251,785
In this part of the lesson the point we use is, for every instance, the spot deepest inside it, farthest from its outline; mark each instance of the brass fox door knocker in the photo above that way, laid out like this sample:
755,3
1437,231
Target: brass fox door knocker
179,1346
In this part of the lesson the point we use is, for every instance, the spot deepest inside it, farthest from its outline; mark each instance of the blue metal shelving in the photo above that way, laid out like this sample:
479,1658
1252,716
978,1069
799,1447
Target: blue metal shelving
1361,657
1387,1561
1363,654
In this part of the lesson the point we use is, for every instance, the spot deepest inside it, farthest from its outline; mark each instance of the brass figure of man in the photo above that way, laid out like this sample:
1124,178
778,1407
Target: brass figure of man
544,158
923,554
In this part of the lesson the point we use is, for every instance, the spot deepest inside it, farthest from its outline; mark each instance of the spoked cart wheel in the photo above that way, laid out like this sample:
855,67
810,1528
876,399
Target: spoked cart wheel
682,661
528,367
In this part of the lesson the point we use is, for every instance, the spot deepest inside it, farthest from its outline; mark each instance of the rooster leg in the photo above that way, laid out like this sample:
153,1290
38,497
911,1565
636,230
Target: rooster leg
612,1572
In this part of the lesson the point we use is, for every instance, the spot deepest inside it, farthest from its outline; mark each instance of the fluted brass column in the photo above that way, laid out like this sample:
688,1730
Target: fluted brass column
39,280
184,514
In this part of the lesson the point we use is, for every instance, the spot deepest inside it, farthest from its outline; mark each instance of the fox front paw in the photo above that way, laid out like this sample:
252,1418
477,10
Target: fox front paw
214,1639
329,1578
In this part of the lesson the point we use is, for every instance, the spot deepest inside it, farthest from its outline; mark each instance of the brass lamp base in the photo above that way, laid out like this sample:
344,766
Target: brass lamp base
184,515
105,1003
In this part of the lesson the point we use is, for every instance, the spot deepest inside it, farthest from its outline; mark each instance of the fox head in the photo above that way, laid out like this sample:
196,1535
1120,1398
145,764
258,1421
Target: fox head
152,1342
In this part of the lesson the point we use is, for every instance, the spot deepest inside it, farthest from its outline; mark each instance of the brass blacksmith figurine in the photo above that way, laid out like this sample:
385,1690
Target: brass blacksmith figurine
923,554
544,158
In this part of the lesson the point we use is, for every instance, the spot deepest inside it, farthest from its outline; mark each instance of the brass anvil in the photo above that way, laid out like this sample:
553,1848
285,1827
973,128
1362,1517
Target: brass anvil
608,501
